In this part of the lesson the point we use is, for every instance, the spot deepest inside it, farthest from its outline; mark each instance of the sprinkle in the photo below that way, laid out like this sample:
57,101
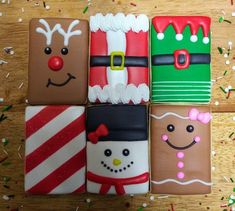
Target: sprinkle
162,197
140,209
20,20
213,152
1,100
7,108
2,62
152,198
3,159
133,4
22,9
226,179
234,118
222,89
230,136
221,19
223,205
222,198
6,179
144,205
172,207
225,55
231,179
2,117
44,4
77,208
5,141
225,72
85,10
9,50
88,200
227,62
213,168
229,93
20,156
7,75
227,21
226,89
47,7
216,103
6,186
220,50
5,197
6,164
20,86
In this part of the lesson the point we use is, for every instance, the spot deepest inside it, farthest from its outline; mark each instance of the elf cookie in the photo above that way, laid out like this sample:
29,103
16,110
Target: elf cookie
119,59
58,57
180,150
55,154
117,150
180,50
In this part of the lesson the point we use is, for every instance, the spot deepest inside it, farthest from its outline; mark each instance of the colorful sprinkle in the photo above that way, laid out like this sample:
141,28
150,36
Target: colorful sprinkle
85,10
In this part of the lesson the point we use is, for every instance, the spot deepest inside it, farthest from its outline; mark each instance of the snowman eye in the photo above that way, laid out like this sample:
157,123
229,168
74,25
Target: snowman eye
125,152
107,152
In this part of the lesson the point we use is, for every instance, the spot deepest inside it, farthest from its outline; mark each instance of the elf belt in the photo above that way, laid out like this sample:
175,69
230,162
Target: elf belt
117,61
181,59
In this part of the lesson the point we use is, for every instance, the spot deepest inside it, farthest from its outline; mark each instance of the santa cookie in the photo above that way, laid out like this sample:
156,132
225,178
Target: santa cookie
180,150
55,154
58,57
180,50
119,59
117,150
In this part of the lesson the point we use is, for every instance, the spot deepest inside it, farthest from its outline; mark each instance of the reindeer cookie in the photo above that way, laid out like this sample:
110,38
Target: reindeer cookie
117,150
180,150
58,57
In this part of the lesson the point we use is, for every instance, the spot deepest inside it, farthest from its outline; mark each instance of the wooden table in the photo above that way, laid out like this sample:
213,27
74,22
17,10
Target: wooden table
14,32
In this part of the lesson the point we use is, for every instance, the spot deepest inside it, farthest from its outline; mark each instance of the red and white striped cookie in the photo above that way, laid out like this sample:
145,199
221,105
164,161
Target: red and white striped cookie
55,154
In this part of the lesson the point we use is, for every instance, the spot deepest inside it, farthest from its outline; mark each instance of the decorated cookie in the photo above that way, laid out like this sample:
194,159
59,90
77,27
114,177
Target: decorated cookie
117,150
180,50
180,150
119,59
55,154
58,57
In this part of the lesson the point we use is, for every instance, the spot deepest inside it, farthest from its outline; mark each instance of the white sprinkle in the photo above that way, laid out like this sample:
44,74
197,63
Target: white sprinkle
131,195
152,198
48,7
4,140
77,208
144,205
7,75
234,118
162,197
223,12
230,201
233,67
226,179
3,62
232,196
20,86
3,1
230,43
5,152
213,168
213,152
20,156
26,101
226,89
88,200
22,9
216,103
5,197
227,62
20,20
230,87
1,100
225,55
233,13
220,77
0,13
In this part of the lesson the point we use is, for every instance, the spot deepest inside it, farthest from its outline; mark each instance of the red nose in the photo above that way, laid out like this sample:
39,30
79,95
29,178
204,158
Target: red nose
55,63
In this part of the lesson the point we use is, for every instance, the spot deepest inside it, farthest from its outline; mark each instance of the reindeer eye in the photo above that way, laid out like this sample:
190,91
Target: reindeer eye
64,51
47,50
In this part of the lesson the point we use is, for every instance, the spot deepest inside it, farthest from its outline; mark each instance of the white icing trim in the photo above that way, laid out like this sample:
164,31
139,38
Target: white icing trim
182,183
179,37
193,82
160,36
206,40
119,22
119,94
193,38
67,35
48,33
168,114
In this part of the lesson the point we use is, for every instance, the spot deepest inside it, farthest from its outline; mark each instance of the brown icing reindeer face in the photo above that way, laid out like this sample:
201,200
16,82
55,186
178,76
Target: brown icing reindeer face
58,52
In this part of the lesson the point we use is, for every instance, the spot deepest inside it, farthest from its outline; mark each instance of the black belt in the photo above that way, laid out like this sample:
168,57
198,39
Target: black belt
181,59
129,61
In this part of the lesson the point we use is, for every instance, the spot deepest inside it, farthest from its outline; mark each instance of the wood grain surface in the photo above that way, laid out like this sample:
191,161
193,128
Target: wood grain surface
15,34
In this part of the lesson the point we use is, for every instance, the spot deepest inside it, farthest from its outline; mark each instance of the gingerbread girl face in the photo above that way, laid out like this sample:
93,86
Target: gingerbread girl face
180,149
58,61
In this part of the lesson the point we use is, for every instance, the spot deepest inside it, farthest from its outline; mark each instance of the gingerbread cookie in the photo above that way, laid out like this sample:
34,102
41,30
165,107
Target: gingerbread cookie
180,150
119,59
117,150
180,50
58,60
55,153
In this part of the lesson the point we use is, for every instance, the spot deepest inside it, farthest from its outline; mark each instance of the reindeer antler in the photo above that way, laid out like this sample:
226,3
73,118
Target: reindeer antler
69,34
48,32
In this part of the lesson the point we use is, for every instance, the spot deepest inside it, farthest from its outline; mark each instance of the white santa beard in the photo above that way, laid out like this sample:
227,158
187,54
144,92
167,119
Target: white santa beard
138,155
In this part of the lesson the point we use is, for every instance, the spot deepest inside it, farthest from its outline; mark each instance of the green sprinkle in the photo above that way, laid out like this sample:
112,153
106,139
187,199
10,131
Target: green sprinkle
228,21
220,50
6,163
232,89
222,89
5,142
85,10
6,179
233,189
231,179
231,135
7,108
225,72
140,209
221,19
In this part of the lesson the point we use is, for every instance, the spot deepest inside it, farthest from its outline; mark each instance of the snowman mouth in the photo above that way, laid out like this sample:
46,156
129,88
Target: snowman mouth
70,77
180,148
117,170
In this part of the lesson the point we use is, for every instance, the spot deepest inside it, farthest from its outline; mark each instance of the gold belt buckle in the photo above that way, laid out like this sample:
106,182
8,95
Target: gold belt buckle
117,53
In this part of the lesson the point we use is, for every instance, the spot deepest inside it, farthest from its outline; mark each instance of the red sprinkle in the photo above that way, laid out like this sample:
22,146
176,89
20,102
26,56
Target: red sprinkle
172,207
133,4
229,93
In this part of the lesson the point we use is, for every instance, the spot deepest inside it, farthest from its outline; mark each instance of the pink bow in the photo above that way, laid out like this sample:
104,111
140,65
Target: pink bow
204,118
94,136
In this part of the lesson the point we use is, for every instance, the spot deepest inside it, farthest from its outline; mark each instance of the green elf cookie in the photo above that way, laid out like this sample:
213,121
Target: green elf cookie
180,50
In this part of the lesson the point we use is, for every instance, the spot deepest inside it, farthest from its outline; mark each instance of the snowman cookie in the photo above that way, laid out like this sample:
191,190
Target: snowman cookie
117,150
